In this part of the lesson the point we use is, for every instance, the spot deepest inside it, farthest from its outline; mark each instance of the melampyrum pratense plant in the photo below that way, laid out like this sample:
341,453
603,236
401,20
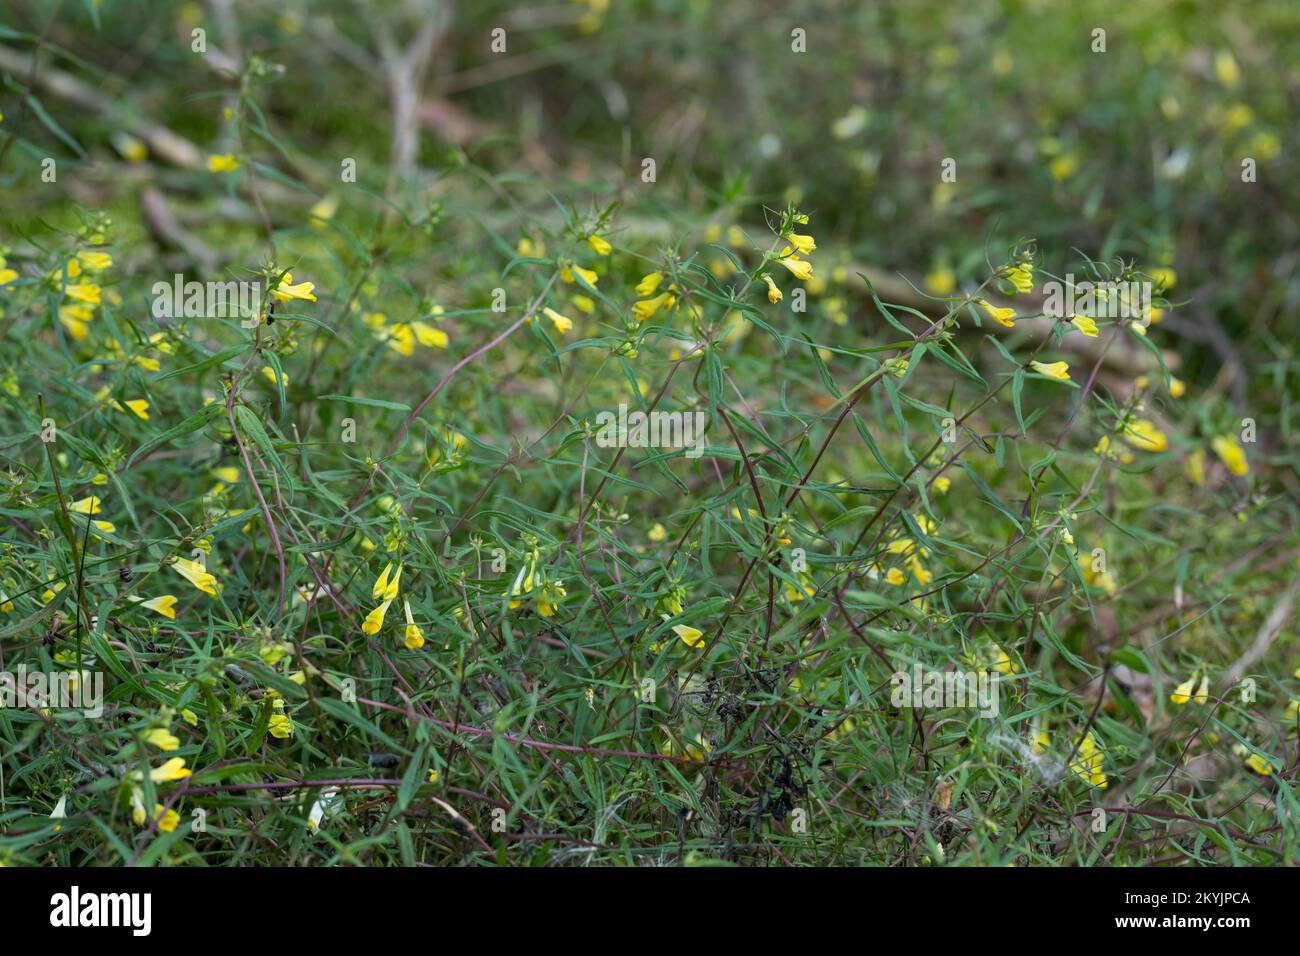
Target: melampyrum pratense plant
563,538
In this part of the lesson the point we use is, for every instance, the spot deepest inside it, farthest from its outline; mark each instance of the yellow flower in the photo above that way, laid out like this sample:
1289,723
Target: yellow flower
561,323
287,291
1203,692
1085,325
1164,277
598,245
530,249
227,474
802,244
1063,167
190,717
166,820
773,293
386,588
1003,664
657,533
164,605
942,484
895,576
85,506
197,575
569,271
548,598
225,163
162,738
1040,743
691,636
1226,69
1057,370
643,310
375,619
1257,763
941,280
428,336
1004,315
94,261
76,319
1088,764
1021,276
323,210
86,292
649,283
1230,452
414,636
139,407
173,769
280,726
799,268
269,374
1143,435
1183,692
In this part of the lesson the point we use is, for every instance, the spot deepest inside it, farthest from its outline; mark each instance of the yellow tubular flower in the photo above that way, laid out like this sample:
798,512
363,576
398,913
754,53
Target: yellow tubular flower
548,599
1005,315
287,291
562,323
1021,276
86,292
1183,692
1145,436
225,163
1085,325
164,605
414,638
1203,692
802,244
691,636
773,293
85,506
280,726
643,310
173,769
569,272
167,820
799,268
598,245
428,336
1258,764
375,619
197,575
162,738
95,261
649,283
1231,454
1057,370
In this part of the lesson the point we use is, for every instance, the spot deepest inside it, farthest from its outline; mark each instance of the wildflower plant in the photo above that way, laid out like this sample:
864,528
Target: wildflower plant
359,573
